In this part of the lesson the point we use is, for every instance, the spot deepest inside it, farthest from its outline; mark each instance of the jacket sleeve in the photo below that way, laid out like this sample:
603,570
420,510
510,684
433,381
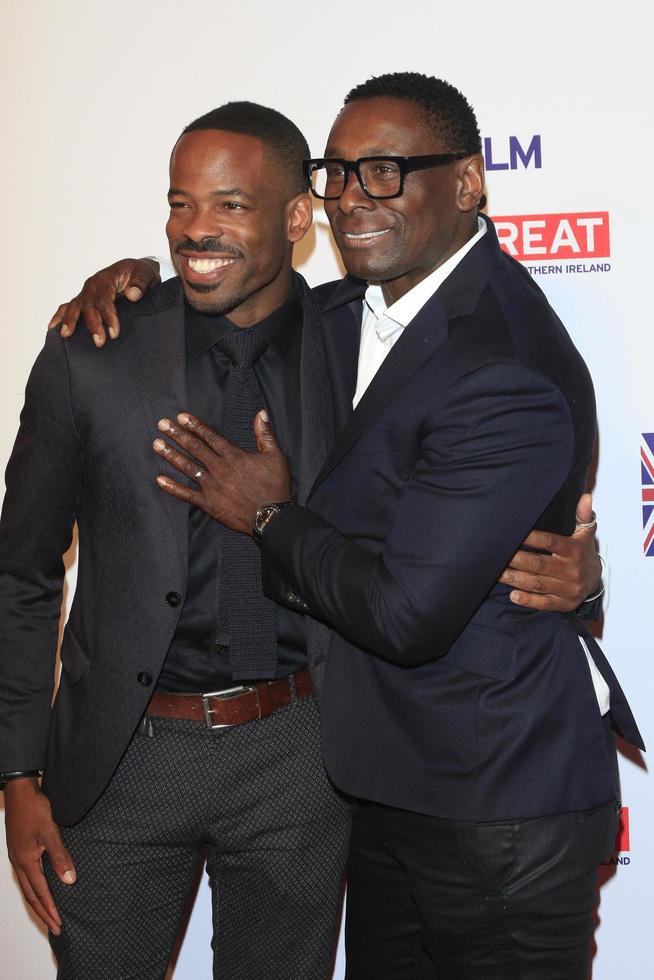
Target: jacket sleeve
491,461
43,481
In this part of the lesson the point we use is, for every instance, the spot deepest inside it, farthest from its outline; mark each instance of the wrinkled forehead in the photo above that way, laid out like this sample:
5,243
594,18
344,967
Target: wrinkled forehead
368,127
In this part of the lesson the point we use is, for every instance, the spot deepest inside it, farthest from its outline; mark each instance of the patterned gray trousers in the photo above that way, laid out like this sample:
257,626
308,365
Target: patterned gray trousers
256,799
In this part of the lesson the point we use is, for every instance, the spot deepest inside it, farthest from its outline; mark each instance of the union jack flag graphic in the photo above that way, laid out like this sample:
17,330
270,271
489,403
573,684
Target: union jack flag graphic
647,474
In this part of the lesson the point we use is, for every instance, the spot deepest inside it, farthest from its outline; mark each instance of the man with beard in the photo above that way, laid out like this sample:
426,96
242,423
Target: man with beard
384,906
185,721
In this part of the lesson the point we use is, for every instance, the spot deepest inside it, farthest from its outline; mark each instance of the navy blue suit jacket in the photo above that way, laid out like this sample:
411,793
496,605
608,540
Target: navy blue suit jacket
440,695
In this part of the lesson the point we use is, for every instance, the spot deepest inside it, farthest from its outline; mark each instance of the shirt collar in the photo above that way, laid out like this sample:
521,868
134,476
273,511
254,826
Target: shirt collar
391,319
203,330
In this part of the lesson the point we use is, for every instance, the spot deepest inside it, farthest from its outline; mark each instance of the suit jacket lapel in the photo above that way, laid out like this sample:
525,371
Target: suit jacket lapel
342,331
160,345
458,296
316,402
419,340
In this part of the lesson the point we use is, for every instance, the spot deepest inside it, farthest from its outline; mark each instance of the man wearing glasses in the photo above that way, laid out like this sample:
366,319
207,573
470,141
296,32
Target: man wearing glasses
475,738
450,714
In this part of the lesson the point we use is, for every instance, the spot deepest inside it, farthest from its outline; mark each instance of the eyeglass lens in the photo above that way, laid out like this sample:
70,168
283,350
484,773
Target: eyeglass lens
381,178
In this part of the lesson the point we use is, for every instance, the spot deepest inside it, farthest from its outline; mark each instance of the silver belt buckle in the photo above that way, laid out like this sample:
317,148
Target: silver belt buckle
225,694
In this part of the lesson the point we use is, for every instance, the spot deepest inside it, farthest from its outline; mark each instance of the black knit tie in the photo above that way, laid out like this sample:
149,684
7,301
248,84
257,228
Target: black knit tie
243,612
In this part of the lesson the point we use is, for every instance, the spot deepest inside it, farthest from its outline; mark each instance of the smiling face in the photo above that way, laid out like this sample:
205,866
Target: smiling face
399,241
232,226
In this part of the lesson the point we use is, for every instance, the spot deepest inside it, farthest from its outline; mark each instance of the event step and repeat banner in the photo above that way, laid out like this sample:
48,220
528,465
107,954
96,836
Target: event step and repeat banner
94,96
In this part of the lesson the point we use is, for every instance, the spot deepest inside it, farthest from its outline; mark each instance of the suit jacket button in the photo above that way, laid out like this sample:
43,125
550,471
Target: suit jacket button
144,678
173,599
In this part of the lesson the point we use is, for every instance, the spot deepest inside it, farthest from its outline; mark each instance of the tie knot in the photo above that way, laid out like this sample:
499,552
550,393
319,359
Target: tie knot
242,347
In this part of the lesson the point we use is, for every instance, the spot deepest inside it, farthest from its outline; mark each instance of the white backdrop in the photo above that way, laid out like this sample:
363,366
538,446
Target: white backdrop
94,94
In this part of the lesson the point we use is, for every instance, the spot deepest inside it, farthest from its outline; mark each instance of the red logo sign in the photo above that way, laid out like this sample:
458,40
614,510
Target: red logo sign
534,237
622,836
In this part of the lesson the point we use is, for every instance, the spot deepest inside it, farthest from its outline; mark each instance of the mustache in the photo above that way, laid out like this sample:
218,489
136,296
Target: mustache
207,245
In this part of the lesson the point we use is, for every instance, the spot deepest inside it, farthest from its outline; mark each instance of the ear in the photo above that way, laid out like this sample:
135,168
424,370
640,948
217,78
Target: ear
470,185
299,215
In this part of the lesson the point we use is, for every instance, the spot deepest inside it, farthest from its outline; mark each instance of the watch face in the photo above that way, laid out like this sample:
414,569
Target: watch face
264,515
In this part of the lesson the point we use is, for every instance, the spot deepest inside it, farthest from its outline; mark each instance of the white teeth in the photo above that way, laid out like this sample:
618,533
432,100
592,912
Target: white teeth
208,265
366,234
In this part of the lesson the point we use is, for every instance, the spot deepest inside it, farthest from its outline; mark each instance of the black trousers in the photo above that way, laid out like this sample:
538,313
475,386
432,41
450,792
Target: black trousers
255,799
432,899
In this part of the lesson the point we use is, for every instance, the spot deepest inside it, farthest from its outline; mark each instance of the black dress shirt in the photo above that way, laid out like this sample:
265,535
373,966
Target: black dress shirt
198,658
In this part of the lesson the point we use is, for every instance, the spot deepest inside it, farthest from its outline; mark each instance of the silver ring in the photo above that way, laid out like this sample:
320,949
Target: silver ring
585,525
197,474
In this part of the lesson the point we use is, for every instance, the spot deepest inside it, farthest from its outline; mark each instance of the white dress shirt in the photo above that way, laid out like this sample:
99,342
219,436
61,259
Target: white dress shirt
382,325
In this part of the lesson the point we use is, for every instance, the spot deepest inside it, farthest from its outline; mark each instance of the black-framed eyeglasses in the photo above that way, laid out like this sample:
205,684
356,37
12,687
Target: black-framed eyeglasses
379,177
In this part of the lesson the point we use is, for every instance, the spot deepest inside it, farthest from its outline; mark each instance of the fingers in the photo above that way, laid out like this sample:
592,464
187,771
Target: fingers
542,540
197,438
66,317
529,581
175,489
131,277
109,318
539,565
31,832
59,317
33,883
37,895
93,319
559,545
534,588
192,443
188,467
546,603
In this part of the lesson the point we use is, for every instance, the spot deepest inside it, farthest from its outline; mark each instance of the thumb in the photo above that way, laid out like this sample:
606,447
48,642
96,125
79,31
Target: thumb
60,859
585,513
266,442
139,278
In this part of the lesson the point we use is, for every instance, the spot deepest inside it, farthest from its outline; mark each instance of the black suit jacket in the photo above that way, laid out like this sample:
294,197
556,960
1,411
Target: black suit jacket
441,696
84,454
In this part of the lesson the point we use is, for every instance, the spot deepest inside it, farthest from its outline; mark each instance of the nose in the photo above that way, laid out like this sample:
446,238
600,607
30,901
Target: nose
354,196
197,223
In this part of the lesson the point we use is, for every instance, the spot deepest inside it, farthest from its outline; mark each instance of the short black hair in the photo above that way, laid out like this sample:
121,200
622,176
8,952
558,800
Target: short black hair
444,106
278,134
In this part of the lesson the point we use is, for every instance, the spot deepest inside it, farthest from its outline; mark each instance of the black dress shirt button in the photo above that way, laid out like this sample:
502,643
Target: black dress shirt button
144,678
173,599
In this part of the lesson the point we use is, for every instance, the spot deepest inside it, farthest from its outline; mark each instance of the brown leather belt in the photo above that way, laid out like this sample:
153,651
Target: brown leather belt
233,706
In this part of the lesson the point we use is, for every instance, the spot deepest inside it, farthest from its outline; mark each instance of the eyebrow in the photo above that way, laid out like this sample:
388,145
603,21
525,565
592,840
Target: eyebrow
371,151
221,192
